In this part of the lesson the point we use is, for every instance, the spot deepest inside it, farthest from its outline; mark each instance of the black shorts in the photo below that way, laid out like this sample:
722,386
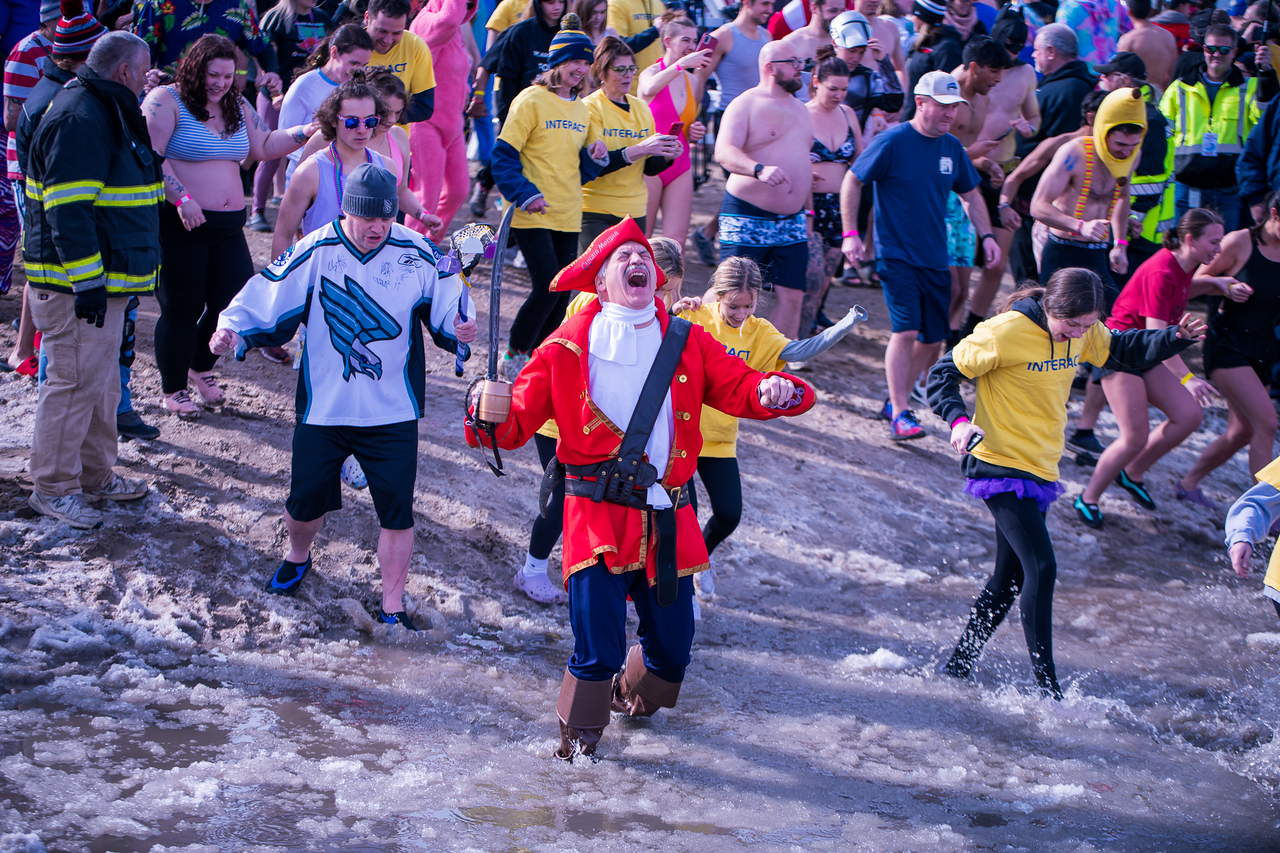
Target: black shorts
1059,254
1235,349
826,219
388,454
991,196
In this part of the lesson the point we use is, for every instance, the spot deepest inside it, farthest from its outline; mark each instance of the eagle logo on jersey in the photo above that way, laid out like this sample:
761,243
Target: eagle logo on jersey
355,320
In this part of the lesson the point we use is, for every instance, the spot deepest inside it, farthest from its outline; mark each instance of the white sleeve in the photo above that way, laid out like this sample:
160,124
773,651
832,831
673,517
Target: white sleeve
442,294
1250,518
269,308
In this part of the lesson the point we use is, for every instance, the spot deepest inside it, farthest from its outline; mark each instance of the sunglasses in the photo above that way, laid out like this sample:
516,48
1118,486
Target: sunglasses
623,69
369,121
1218,49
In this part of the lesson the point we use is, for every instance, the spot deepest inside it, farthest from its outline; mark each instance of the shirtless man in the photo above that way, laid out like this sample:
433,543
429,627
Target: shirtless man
1083,197
805,41
984,63
764,143
1012,111
885,40
734,61
1157,46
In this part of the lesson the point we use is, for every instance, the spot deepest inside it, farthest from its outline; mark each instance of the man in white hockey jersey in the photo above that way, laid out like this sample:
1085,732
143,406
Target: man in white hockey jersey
362,284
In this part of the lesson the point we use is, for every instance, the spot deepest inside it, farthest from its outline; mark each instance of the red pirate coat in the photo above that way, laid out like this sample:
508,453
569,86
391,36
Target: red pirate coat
554,384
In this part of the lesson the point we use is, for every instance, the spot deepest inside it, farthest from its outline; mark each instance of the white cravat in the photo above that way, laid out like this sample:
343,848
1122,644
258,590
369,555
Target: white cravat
619,359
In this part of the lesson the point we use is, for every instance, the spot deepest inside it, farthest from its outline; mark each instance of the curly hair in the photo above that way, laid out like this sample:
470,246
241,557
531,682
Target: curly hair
353,90
190,81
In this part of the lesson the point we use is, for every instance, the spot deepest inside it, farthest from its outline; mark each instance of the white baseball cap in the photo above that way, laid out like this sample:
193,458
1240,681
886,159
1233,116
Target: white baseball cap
940,86
850,30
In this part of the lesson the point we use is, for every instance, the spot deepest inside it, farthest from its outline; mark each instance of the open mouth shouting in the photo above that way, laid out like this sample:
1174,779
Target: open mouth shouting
637,276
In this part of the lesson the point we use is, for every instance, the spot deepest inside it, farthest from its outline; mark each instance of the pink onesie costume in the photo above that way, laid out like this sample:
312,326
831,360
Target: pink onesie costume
438,146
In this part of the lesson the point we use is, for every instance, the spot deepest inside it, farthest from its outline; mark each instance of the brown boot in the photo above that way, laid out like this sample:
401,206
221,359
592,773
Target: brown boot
640,693
583,710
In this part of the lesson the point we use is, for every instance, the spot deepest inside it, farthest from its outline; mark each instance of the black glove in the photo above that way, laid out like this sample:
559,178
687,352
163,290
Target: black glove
91,305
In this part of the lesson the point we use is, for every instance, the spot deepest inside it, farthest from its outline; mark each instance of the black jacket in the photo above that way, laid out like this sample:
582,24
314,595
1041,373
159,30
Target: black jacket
34,106
94,192
945,53
1060,95
518,56
1258,169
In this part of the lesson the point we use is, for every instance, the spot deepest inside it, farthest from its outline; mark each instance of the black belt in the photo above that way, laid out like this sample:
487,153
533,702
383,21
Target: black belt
576,484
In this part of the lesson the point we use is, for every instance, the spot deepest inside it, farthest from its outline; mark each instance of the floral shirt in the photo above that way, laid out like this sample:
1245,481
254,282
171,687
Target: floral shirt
1098,25
171,26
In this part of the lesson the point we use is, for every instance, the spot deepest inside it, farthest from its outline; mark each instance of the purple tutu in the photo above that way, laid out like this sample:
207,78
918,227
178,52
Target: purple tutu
988,487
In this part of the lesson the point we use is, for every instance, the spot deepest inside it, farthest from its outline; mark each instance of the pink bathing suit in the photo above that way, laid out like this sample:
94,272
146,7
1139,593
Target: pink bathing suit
665,115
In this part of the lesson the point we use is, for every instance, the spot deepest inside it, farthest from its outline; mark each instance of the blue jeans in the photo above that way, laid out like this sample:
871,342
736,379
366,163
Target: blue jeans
483,127
126,355
598,615
1225,202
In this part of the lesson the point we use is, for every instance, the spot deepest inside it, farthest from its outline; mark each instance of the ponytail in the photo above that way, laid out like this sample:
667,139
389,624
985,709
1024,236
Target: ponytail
1070,292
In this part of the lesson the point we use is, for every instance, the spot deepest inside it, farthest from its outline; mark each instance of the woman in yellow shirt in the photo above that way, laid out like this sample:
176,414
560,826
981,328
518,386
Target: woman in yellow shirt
727,311
1023,361
540,161
625,124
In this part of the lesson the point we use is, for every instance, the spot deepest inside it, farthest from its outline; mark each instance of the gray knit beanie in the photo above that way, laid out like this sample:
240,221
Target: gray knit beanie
371,193
50,10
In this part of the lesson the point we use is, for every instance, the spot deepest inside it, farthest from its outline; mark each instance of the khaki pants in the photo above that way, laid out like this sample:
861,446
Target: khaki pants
74,446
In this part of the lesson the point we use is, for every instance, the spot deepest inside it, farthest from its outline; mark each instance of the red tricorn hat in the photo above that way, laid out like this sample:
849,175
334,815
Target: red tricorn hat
581,274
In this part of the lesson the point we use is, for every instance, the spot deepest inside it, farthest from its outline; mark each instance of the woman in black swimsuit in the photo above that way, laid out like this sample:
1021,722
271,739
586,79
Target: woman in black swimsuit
834,123
1240,349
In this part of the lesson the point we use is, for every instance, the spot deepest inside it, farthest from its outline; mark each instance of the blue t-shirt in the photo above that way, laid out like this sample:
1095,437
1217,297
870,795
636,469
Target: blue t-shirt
914,174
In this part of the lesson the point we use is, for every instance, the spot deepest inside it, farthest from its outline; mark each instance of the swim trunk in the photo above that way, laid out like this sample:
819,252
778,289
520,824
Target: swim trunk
779,243
1225,348
962,242
826,219
918,299
1060,253
388,454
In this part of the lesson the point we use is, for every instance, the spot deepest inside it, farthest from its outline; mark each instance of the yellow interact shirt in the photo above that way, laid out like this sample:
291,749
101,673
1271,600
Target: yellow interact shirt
1023,390
757,343
629,17
620,193
582,300
549,131
1271,476
506,15
410,60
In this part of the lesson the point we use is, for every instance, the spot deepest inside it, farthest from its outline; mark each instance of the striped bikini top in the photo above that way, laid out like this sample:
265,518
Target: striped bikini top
193,142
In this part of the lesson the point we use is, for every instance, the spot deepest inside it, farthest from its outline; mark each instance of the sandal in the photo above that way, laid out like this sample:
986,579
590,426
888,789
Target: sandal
179,403
869,274
206,388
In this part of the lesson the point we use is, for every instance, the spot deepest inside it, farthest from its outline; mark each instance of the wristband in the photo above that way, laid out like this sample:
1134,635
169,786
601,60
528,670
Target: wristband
1079,226
1188,377
852,232
1002,205
1122,242
183,199
963,419
479,93
808,213
987,237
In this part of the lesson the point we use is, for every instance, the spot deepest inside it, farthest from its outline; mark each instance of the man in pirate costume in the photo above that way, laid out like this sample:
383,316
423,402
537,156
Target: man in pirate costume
626,384
362,284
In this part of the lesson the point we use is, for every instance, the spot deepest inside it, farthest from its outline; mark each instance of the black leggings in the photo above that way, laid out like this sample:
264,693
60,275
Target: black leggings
1025,564
203,270
546,252
723,483
547,530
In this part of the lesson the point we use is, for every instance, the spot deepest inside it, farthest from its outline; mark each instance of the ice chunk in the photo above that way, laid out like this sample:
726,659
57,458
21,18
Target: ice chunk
1263,640
879,659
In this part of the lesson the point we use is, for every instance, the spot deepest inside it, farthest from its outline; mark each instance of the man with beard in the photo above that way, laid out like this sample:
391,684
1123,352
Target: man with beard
764,143
915,166
592,376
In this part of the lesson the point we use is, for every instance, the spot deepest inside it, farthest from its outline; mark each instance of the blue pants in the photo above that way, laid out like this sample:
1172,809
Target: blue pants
126,355
1225,202
483,127
598,614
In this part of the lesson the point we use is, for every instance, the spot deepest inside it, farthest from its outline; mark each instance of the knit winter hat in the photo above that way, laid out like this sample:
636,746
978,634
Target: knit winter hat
49,11
77,30
570,43
929,11
370,193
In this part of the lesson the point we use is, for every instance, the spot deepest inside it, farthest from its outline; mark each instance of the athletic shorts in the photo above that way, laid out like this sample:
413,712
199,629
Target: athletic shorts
918,299
388,454
990,195
1060,253
826,219
1235,349
962,242
779,243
